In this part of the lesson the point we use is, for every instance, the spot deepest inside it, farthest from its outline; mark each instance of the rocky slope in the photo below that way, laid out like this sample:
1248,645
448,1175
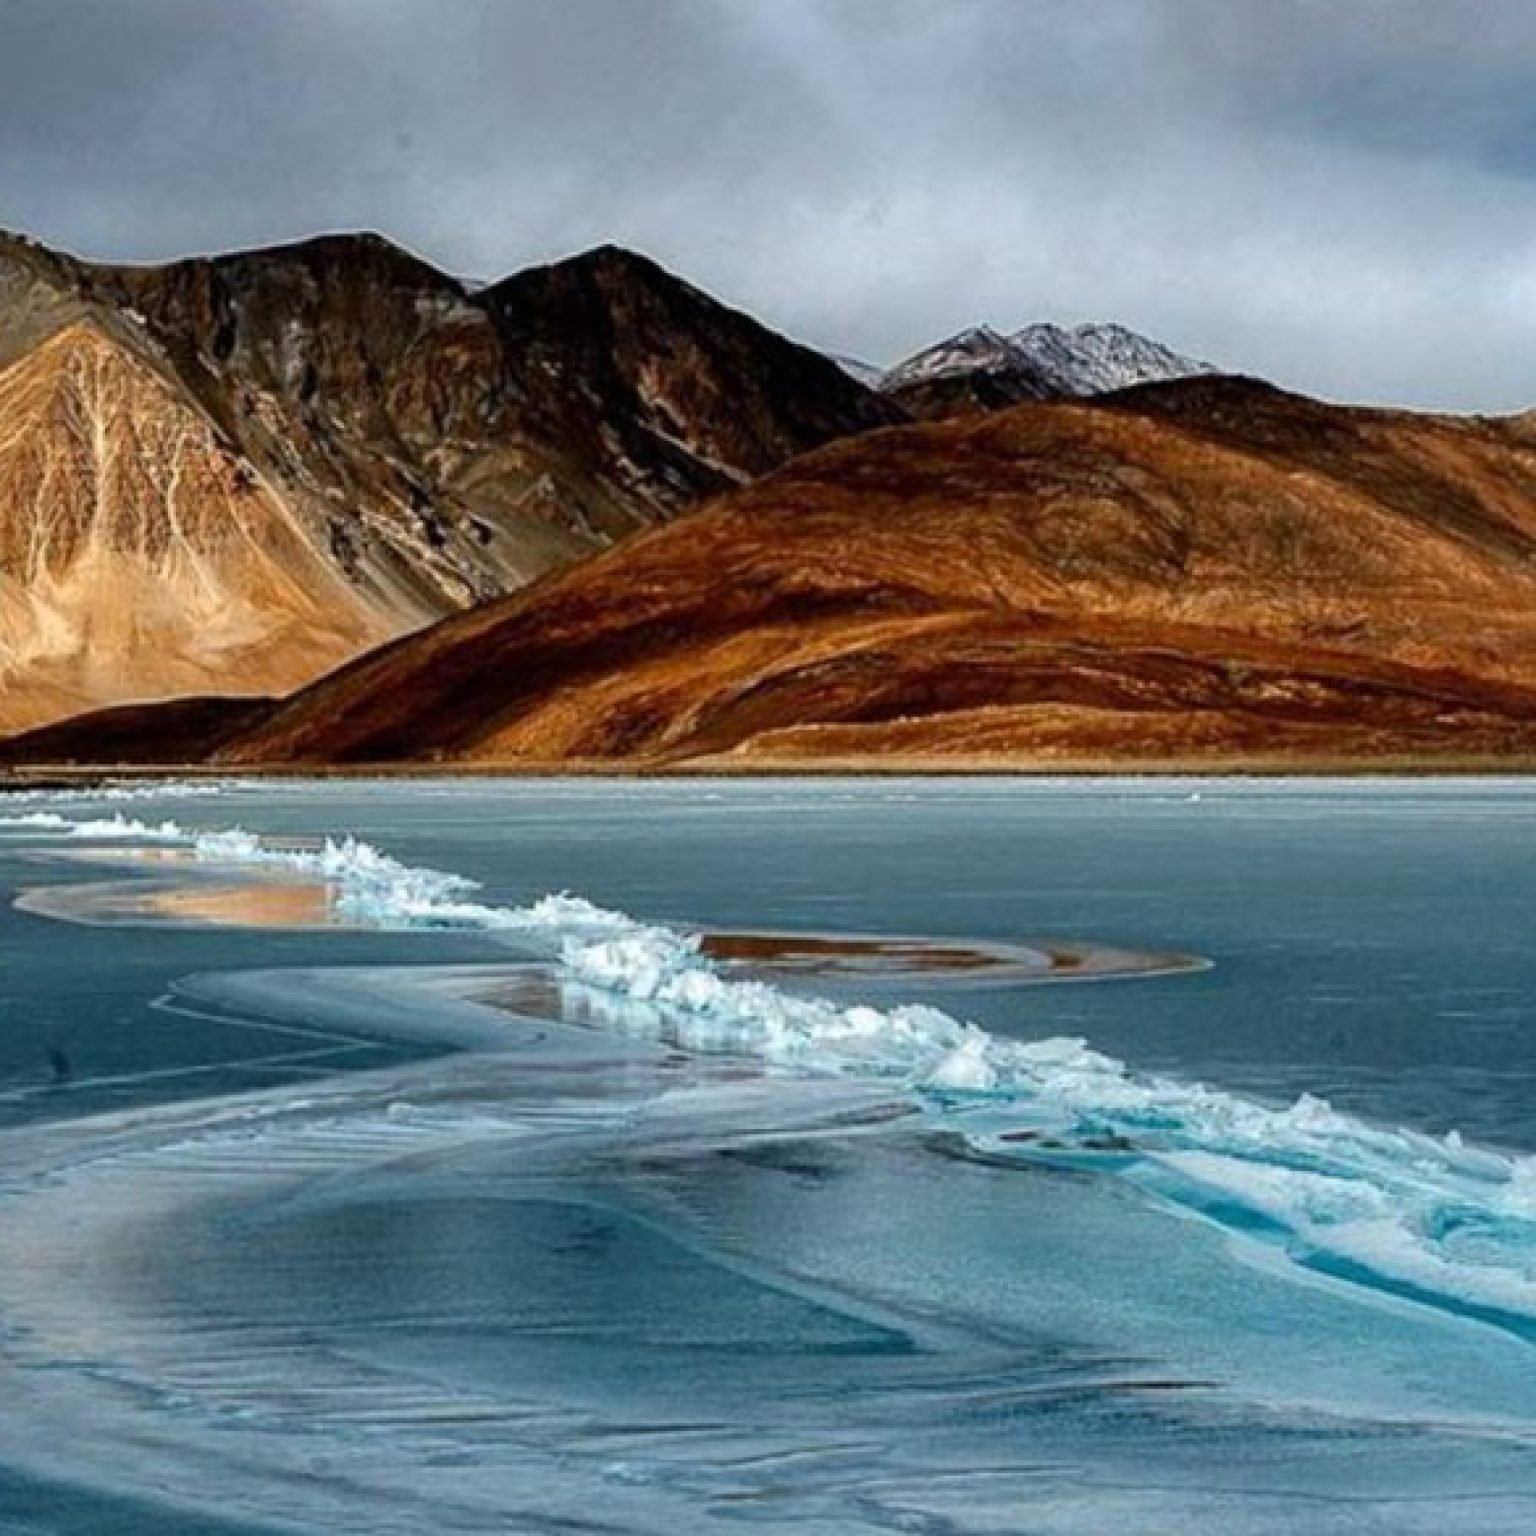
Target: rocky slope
982,370
1211,570
421,446
141,553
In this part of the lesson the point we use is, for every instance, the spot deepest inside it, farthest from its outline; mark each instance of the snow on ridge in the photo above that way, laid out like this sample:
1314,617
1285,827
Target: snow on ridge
979,348
1093,358
1086,359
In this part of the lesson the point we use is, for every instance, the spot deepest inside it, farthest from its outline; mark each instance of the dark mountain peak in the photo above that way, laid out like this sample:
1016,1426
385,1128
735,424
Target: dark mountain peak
22,254
14,242
365,250
617,259
341,243
351,259
609,348
608,277
1220,402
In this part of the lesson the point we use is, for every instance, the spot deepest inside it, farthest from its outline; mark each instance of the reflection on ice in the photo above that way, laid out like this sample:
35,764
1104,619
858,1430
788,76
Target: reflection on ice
272,898
1402,1212
700,1234
480,1293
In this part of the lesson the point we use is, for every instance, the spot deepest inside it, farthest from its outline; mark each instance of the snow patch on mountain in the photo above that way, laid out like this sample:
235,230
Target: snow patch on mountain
1058,360
979,349
1092,359
870,375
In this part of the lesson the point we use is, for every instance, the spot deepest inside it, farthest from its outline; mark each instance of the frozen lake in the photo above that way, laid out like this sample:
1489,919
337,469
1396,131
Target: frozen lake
1172,1172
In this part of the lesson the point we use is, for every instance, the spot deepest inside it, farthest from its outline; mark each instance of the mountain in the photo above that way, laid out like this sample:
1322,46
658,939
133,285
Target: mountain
423,446
970,373
1095,359
667,394
982,370
1209,570
142,554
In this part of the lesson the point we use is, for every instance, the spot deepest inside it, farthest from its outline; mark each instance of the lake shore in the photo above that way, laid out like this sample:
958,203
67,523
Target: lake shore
70,776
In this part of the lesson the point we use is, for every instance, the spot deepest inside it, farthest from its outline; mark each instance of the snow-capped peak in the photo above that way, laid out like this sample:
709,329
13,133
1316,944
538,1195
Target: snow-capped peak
1077,360
980,347
1091,359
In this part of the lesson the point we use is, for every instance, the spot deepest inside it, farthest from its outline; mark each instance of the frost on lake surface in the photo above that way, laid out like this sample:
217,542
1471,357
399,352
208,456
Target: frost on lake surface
676,1235
1428,1218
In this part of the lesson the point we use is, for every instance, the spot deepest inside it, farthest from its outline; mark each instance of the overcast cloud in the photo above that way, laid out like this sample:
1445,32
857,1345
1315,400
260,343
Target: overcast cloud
1339,194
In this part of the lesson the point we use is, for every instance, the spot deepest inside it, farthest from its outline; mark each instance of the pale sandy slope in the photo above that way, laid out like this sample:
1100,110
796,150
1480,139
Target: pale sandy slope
139,557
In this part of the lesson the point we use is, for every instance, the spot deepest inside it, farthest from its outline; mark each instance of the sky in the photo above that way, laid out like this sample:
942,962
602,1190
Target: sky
1339,195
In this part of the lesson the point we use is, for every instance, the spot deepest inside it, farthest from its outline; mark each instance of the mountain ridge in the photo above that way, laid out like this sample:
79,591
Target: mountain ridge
1211,570
588,514
436,446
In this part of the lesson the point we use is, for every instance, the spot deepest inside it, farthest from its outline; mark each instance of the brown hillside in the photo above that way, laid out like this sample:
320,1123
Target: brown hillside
1207,568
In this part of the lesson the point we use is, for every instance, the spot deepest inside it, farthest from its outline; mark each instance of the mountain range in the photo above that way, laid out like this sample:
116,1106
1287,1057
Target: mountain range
325,505
234,473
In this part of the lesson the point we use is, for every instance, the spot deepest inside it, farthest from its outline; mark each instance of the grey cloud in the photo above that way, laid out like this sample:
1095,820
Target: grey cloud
1341,196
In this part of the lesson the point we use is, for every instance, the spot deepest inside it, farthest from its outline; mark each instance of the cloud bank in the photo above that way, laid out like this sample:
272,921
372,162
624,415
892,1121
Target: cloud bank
1339,196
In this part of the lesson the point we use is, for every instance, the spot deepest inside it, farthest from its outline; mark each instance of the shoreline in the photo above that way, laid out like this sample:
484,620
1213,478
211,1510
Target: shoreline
72,776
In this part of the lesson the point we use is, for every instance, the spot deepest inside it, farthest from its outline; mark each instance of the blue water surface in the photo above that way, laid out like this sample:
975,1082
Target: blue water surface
275,1265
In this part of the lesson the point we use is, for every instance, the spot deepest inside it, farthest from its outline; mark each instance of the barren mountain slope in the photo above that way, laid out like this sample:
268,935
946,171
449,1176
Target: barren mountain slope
140,556
1199,568
426,446
484,437
167,732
